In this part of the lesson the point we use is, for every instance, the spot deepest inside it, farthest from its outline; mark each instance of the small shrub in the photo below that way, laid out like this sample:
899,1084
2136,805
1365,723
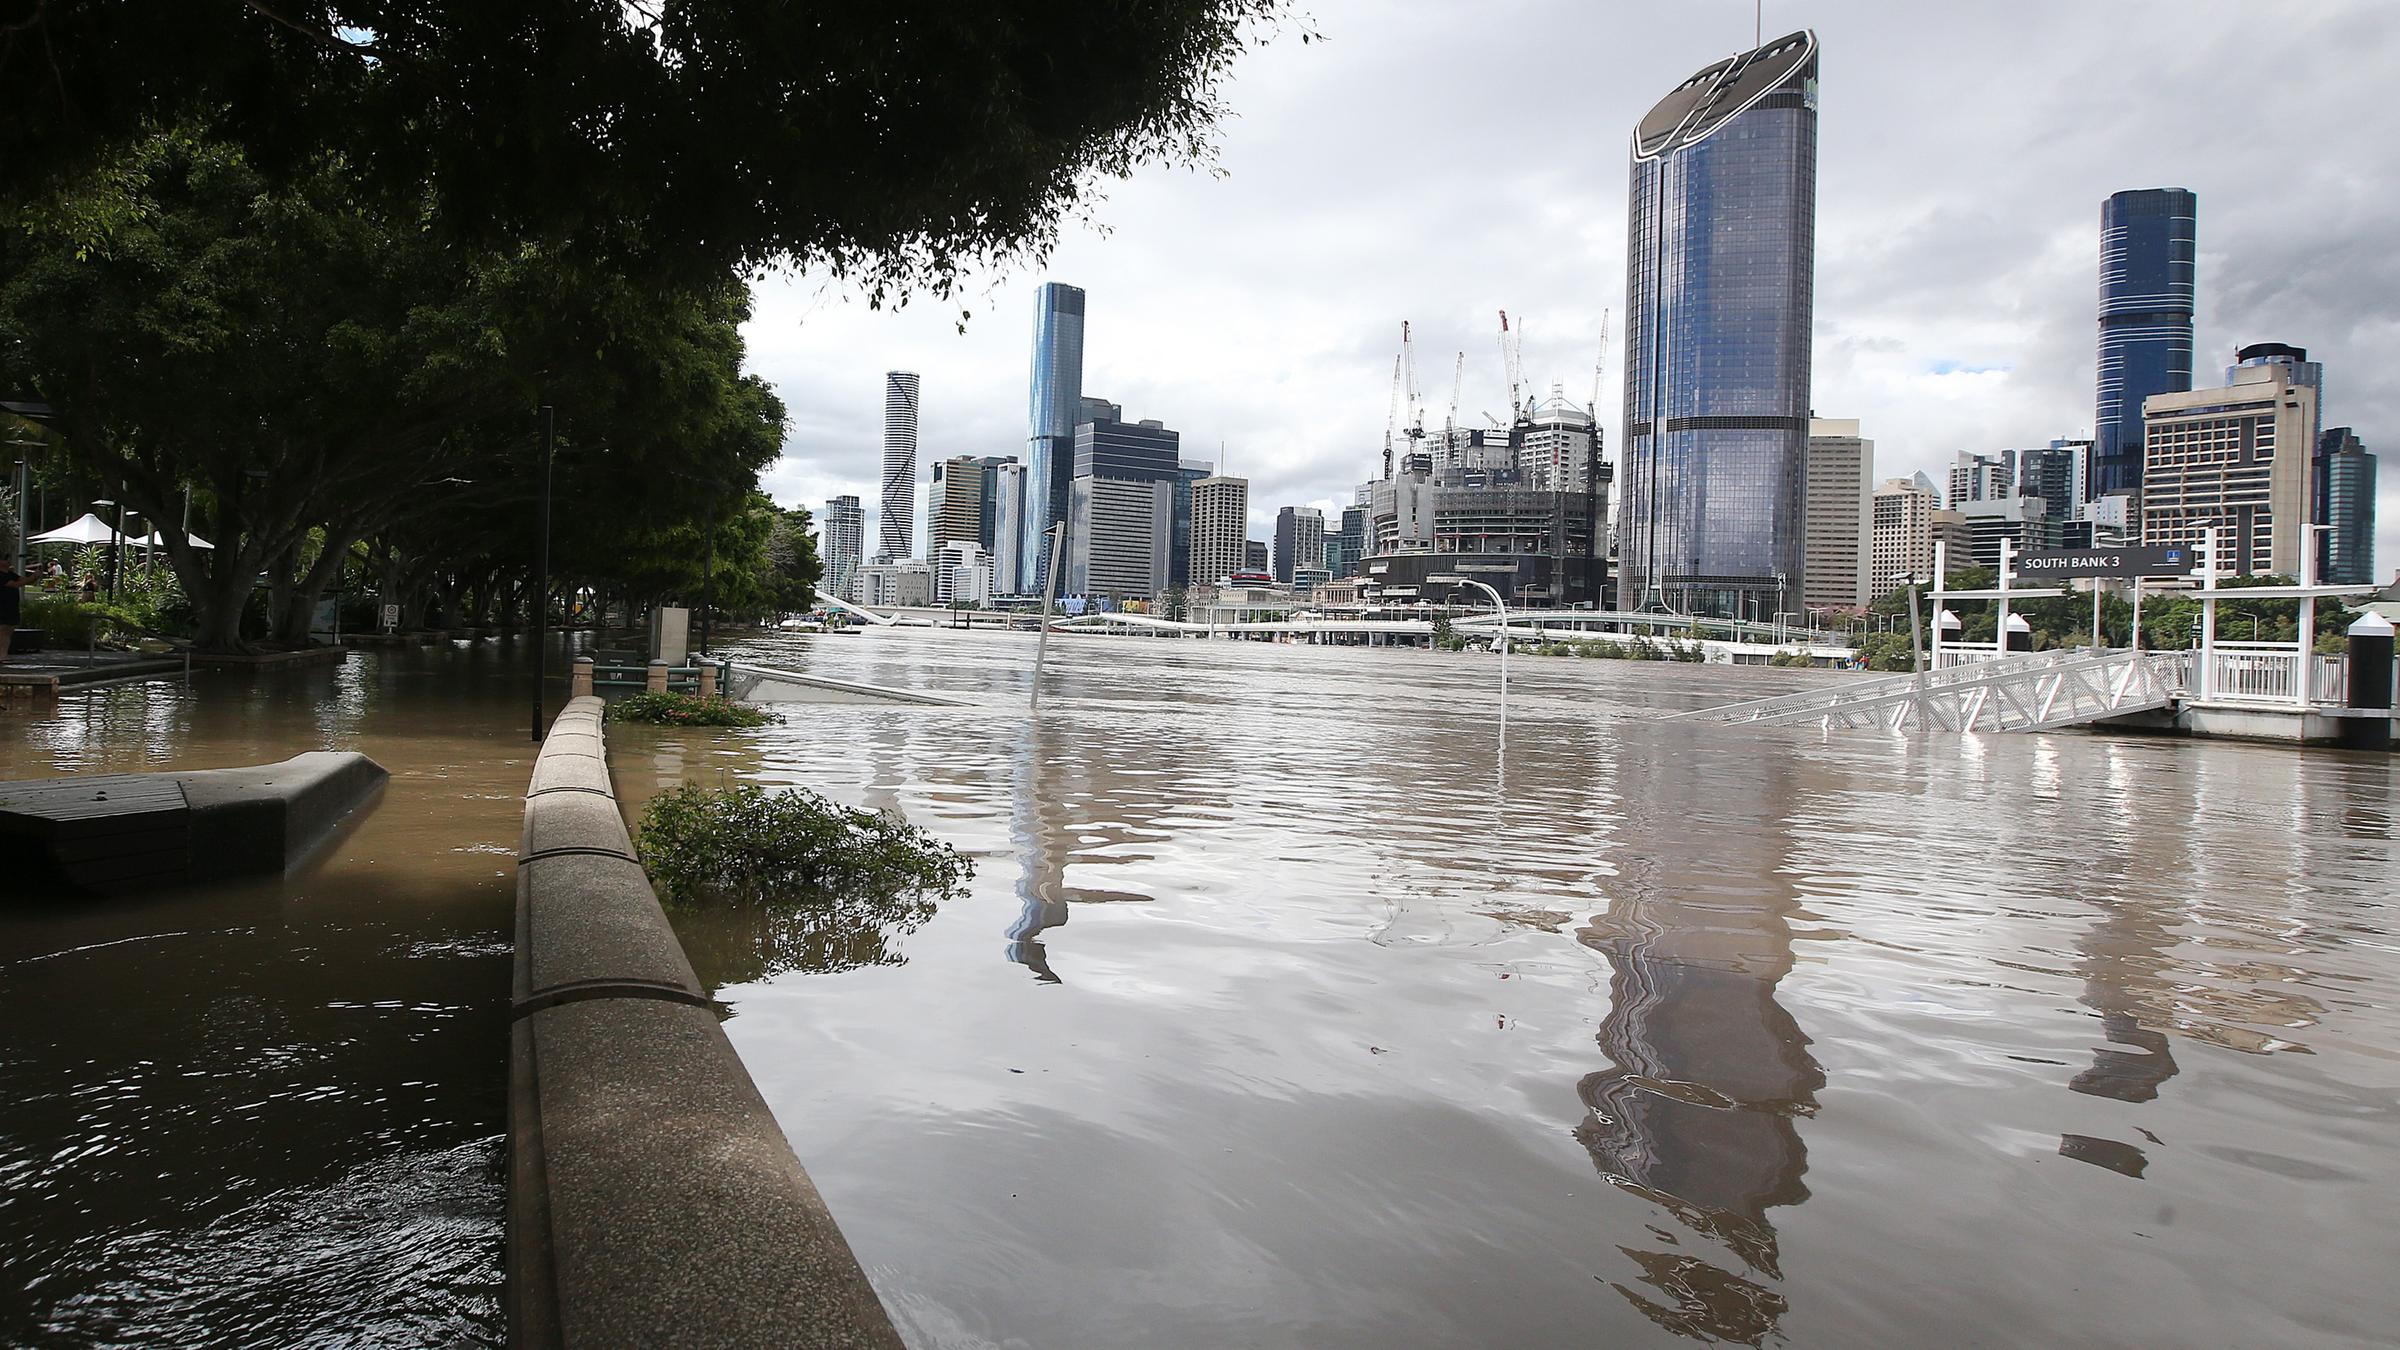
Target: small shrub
745,843
672,709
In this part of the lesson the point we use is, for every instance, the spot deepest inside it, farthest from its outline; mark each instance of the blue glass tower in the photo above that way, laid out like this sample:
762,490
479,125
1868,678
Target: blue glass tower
1056,398
2147,269
1720,285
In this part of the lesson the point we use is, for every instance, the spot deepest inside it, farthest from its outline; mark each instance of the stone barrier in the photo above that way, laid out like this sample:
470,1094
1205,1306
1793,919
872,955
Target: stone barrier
652,1199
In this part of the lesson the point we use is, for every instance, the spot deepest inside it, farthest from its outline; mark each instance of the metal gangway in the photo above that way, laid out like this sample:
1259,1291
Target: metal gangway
2025,691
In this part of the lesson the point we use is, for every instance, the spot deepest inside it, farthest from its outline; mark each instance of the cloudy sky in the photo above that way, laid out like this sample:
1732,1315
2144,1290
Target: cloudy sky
1439,161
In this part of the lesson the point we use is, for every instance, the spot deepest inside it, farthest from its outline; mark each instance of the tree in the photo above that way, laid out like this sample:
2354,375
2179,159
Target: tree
313,372
891,142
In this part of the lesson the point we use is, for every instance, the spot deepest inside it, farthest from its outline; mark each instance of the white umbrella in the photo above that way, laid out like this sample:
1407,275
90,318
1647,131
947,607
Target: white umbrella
155,542
88,529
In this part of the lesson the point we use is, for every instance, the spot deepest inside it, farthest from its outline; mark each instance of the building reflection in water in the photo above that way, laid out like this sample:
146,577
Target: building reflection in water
1709,1075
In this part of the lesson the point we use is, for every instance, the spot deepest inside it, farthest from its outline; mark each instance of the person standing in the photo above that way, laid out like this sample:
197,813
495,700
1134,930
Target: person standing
12,604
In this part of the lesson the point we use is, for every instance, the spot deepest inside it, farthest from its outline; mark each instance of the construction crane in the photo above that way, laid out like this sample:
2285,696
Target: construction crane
1391,421
1512,361
1415,430
1457,378
1598,365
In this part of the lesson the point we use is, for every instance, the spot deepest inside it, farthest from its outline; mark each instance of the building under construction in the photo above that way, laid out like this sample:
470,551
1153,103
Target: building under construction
1522,507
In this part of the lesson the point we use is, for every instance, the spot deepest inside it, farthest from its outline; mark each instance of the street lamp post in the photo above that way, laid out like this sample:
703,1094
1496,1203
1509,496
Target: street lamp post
1501,607
541,576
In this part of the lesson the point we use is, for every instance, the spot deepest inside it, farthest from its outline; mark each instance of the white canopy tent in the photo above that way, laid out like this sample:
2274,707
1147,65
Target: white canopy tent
85,529
155,542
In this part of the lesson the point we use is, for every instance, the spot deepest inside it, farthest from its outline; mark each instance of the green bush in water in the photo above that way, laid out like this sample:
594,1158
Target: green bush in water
672,709
745,843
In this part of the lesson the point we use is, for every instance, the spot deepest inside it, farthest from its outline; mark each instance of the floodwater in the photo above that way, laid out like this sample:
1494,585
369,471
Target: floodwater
1286,1010
270,1114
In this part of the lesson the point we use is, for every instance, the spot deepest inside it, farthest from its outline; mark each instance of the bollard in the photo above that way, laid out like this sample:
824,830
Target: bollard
2370,679
708,680
579,685
2020,634
657,683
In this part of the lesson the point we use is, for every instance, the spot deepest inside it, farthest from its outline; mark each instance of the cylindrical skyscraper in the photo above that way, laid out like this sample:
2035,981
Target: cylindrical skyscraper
1720,285
897,534
1056,395
2148,239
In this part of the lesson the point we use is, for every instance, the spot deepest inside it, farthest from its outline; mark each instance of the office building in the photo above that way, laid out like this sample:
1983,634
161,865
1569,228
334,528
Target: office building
1220,525
886,585
2148,270
962,573
1720,289
1347,544
1055,392
1903,539
2236,460
1121,508
1179,538
896,531
1949,529
1008,528
1838,527
2103,522
1254,556
2345,501
1299,541
2023,521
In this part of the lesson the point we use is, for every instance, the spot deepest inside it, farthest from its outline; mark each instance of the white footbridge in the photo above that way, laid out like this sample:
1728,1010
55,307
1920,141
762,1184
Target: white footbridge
2026,691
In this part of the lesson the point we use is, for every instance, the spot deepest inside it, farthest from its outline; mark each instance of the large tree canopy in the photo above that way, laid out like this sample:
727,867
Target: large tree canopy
893,142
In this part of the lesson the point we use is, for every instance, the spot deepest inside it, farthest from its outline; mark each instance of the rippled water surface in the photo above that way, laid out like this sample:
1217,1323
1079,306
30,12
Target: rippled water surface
1286,1009
268,1114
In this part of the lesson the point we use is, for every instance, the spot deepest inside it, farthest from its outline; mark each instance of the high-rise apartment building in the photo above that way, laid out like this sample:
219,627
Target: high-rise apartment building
1008,527
1558,447
954,508
1121,508
2345,501
1982,478
1055,396
2236,460
2148,279
1254,555
1347,544
2307,374
1720,288
845,546
1839,524
1903,539
896,532
2059,473
1299,541
1220,524
2023,521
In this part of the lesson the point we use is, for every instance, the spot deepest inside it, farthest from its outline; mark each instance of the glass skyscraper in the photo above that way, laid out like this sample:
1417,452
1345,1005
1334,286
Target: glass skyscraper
1720,283
1055,403
2148,238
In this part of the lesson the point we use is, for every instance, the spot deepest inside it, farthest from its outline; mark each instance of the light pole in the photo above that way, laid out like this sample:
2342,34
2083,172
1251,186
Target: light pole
1501,607
541,576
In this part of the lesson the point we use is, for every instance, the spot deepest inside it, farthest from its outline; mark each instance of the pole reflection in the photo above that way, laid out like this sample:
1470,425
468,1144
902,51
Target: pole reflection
1709,1074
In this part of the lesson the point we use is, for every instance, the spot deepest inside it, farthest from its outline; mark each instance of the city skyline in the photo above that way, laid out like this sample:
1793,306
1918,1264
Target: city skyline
1954,303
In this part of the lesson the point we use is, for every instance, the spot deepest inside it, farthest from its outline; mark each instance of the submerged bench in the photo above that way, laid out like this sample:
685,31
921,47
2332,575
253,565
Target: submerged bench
116,833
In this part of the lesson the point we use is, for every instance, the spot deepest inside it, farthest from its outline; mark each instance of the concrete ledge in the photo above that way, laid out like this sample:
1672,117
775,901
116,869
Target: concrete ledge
311,656
652,1198
107,834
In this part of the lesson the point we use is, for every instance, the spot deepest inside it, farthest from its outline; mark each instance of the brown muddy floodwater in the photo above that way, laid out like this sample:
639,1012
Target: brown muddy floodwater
269,1114
1285,1011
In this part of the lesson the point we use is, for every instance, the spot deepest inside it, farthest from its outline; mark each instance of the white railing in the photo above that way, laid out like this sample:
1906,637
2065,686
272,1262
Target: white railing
2250,673
1955,654
2329,680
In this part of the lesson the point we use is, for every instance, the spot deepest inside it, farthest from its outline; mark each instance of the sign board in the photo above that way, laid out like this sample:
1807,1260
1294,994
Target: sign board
2117,563
391,618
